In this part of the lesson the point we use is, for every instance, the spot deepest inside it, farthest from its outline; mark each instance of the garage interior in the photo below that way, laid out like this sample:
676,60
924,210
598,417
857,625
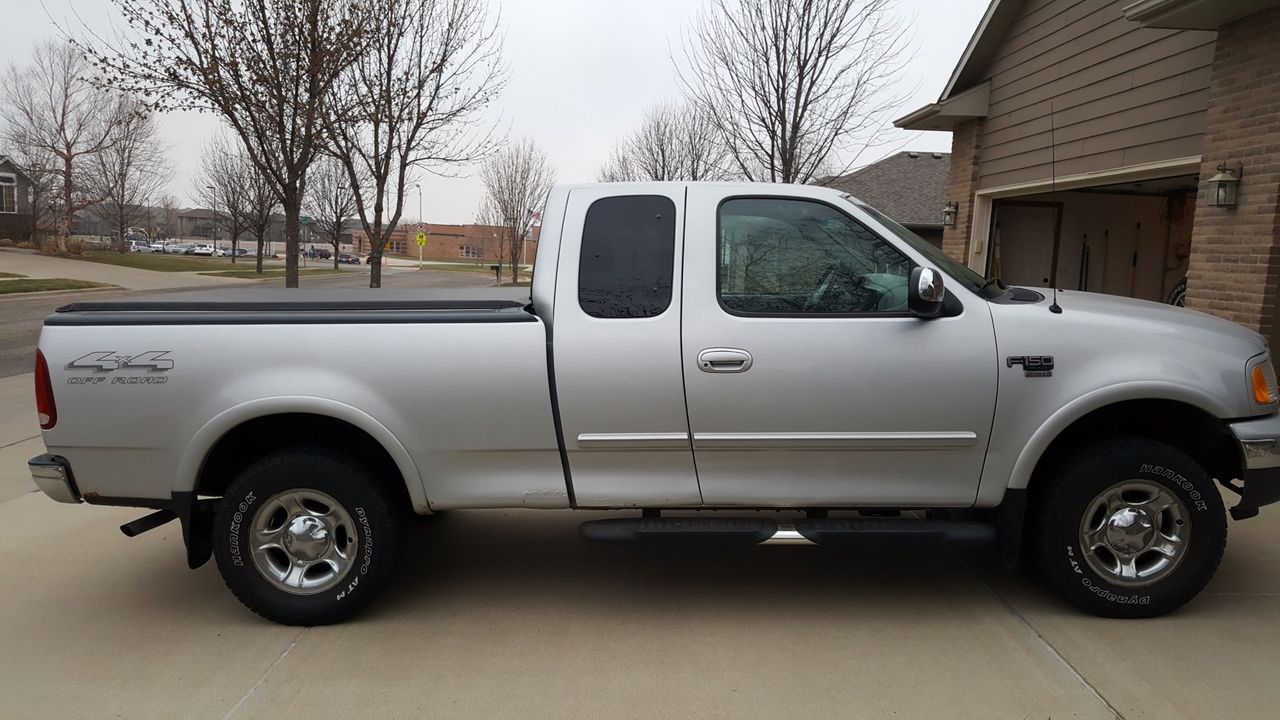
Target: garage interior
1131,239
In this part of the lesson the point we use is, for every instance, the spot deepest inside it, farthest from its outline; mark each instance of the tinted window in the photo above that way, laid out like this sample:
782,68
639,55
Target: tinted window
784,256
628,255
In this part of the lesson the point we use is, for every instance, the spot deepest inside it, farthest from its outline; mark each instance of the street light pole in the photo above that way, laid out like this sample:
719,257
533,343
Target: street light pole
422,226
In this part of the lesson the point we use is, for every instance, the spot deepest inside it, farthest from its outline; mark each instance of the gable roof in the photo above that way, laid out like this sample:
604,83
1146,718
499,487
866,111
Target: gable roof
910,187
14,167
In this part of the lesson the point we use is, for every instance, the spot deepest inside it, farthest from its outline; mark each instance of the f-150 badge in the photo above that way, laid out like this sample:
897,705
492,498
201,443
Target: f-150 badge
1032,365
109,361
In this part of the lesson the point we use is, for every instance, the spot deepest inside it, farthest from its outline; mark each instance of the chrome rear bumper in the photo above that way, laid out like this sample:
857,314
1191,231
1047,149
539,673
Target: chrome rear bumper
52,474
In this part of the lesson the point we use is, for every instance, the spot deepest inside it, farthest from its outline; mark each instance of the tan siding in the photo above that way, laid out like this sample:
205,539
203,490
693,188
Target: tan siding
1119,92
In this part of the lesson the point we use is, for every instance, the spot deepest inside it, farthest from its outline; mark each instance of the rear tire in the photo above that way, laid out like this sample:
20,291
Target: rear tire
1129,528
307,536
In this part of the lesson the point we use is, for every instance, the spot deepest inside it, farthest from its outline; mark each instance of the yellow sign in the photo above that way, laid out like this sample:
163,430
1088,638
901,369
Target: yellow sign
422,239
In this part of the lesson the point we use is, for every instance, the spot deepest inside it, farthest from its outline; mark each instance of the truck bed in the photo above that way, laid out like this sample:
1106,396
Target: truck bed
298,306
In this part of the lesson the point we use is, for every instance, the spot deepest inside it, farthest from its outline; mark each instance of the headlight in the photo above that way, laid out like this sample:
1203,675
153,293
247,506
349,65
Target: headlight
1262,382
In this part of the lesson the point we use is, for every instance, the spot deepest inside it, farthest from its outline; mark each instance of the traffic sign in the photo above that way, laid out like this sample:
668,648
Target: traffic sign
305,219
422,239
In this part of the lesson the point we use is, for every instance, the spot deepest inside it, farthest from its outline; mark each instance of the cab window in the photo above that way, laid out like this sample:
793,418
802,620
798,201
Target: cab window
784,256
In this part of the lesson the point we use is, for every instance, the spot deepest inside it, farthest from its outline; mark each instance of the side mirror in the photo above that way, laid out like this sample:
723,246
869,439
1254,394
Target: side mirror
925,292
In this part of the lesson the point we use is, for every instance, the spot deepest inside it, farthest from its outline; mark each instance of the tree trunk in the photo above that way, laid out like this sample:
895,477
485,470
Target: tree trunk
260,249
335,256
292,211
375,270
65,236
234,241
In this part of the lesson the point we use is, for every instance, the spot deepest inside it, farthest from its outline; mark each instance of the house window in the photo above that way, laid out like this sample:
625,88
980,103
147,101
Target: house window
8,193
469,251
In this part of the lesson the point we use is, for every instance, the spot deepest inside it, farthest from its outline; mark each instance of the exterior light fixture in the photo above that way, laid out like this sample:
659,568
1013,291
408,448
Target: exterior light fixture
1224,187
949,212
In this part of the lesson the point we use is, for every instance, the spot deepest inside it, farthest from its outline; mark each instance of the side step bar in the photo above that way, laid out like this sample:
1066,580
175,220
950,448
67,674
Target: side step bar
812,531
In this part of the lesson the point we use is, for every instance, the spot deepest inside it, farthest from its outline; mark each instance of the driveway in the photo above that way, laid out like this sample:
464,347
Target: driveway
510,614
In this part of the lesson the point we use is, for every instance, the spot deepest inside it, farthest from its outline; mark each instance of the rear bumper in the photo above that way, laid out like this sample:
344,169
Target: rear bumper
52,474
1260,457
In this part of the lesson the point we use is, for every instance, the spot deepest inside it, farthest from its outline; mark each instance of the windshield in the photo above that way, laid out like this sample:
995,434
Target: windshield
952,267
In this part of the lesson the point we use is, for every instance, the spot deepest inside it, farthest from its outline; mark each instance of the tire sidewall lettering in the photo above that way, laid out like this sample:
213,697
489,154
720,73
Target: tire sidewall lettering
238,519
1180,481
365,528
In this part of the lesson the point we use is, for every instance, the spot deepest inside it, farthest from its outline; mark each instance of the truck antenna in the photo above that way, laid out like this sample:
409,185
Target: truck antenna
1054,307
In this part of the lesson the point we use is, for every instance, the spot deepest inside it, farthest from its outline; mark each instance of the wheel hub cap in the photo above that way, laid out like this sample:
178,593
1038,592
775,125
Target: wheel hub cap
306,538
1130,530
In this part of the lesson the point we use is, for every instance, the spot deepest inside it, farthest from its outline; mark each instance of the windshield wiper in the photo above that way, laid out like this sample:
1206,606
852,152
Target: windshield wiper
992,281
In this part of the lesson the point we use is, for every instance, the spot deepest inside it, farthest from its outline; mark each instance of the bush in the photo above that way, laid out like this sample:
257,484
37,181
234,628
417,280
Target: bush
26,245
6,242
75,247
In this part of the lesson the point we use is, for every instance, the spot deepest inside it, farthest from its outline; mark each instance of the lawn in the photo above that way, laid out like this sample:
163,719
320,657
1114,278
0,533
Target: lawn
162,262
10,275
26,285
272,273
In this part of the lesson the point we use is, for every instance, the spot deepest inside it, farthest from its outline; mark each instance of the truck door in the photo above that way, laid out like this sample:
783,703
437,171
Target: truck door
616,340
808,381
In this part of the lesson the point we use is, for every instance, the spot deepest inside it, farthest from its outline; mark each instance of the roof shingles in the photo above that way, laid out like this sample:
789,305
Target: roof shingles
910,187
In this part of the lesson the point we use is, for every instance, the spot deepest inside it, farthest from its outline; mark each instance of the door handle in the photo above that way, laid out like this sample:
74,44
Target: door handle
724,360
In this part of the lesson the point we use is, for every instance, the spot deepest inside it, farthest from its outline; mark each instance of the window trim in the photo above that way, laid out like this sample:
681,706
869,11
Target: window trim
912,264
14,184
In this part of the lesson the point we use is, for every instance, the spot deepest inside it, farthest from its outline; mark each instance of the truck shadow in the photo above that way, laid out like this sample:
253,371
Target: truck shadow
526,559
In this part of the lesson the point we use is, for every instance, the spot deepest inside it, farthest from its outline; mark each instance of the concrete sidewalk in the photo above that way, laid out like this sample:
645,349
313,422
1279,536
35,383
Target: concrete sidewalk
510,614
42,266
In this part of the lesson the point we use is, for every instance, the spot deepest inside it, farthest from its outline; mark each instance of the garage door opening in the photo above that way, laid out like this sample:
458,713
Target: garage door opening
1131,239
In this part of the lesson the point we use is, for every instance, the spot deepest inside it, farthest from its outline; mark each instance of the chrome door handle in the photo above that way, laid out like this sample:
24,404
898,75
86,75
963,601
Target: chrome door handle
724,360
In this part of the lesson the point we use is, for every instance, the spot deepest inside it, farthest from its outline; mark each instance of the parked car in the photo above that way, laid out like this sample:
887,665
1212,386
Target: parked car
348,259
180,248
241,252
157,247
140,246
716,346
208,251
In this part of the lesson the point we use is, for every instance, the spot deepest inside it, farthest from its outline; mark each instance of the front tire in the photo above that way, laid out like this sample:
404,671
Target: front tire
306,536
1129,528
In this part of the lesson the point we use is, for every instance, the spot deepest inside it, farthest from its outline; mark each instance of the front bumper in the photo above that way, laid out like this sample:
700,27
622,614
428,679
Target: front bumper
1260,457
52,474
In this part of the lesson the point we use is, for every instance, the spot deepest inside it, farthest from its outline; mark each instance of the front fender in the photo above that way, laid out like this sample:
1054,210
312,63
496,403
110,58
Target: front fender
202,443
1011,466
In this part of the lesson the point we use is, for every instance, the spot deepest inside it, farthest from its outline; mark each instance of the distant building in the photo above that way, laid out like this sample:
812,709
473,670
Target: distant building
454,243
910,187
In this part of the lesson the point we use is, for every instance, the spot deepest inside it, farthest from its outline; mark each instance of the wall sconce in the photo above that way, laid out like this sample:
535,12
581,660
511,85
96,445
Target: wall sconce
1224,187
949,212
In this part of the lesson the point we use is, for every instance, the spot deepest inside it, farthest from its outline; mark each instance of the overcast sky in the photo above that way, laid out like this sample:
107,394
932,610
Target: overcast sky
582,74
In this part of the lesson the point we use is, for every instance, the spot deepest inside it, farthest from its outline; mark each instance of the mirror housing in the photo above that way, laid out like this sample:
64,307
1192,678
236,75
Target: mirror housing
925,292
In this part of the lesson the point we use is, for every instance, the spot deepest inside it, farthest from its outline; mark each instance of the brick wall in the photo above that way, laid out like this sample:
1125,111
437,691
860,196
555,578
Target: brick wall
962,180
1235,252
450,243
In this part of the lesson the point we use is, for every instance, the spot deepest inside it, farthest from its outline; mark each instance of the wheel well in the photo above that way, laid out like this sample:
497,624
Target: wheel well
254,439
1204,437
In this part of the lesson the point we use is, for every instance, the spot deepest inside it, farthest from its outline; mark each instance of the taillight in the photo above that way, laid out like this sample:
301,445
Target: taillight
47,410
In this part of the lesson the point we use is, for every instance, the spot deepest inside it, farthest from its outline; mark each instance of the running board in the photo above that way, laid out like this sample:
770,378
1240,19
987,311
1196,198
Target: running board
812,531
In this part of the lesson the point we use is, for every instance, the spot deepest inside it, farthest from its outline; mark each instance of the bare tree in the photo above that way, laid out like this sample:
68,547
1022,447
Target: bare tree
516,182
267,67
495,239
50,110
796,88
222,185
330,201
261,206
430,70
168,217
673,142
131,171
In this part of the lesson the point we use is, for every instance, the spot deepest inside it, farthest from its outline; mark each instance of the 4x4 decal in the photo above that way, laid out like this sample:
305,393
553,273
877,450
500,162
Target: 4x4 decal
109,361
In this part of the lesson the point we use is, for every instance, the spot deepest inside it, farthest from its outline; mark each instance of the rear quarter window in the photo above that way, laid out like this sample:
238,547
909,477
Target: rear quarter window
628,257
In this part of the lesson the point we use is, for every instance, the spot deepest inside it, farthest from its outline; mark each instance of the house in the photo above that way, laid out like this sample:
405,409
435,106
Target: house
910,187
15,202
1121,147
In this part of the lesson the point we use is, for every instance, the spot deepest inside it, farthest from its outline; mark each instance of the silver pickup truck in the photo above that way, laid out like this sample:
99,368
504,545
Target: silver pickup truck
694,353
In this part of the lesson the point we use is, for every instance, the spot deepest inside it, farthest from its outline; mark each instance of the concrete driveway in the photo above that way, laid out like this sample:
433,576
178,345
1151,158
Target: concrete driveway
510,614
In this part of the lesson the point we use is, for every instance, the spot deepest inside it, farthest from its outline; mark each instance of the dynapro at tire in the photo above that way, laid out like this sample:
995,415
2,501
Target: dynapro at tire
1129,528
306,536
